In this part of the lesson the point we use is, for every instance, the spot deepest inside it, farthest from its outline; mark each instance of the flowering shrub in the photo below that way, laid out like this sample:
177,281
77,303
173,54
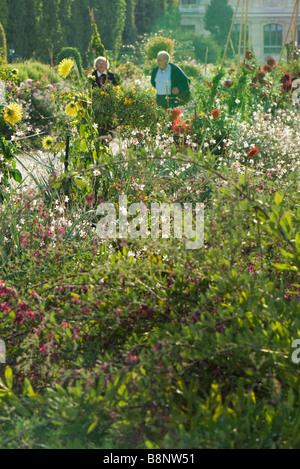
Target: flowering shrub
133,343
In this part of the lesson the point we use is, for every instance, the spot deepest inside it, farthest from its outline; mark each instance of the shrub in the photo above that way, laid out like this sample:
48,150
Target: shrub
191,70
35,71
3,54
70,52
156,44
148,66
206,45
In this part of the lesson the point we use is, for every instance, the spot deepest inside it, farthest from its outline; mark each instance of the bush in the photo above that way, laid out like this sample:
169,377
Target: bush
148,66
72,53
157,44
191,70
36,71
206,45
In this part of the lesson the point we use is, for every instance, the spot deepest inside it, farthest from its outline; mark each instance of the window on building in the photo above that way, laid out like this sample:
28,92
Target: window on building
273,38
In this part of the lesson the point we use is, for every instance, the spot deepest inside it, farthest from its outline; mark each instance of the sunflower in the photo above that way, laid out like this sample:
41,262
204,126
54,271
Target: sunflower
71,109
65,67
47,142
13,113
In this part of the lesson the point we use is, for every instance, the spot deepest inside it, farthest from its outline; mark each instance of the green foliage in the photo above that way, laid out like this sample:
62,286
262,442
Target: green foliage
130,33
148,14
7,166
4,8
70,52
36,71
217,20
129,343
3,55
132,109
157,44
191,70
206,49
97,47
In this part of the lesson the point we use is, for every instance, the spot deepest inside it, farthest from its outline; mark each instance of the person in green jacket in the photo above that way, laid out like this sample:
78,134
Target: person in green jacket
171,84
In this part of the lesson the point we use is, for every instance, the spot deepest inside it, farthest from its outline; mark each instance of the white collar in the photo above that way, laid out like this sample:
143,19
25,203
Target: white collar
99,74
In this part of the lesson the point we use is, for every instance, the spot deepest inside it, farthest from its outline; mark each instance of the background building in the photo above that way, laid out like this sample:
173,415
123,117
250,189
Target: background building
268,22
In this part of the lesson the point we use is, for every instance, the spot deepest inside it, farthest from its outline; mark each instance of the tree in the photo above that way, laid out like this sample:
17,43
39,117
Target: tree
217,20
3,56
48,30
130,32
97,47
4,12
147,14
110,18
30,28
15,33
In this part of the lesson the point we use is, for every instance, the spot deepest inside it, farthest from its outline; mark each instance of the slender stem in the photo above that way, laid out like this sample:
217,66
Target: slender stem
294,35
240,41
245,29
229,35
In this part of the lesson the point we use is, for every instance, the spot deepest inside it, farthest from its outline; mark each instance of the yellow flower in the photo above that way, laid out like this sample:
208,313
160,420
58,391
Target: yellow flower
13,113
65,67
47,142
71,109
127,101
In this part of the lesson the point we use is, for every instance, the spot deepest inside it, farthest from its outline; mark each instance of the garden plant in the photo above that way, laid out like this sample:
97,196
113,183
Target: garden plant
131,342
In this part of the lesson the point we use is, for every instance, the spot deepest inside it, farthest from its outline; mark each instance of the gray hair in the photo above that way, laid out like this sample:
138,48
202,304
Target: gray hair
165,54
101,58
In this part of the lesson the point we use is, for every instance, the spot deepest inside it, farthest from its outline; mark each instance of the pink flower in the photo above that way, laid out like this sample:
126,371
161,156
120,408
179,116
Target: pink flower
43,350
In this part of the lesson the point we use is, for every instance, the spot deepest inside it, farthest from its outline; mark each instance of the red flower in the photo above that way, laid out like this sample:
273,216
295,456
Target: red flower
248,55
209,84
228,83
267,68
285,78
175,113
286,86
271,62
216,113
248,67
253,152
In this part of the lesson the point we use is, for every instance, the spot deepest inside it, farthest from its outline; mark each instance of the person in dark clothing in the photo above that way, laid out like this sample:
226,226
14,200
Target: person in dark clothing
101,72
171,84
